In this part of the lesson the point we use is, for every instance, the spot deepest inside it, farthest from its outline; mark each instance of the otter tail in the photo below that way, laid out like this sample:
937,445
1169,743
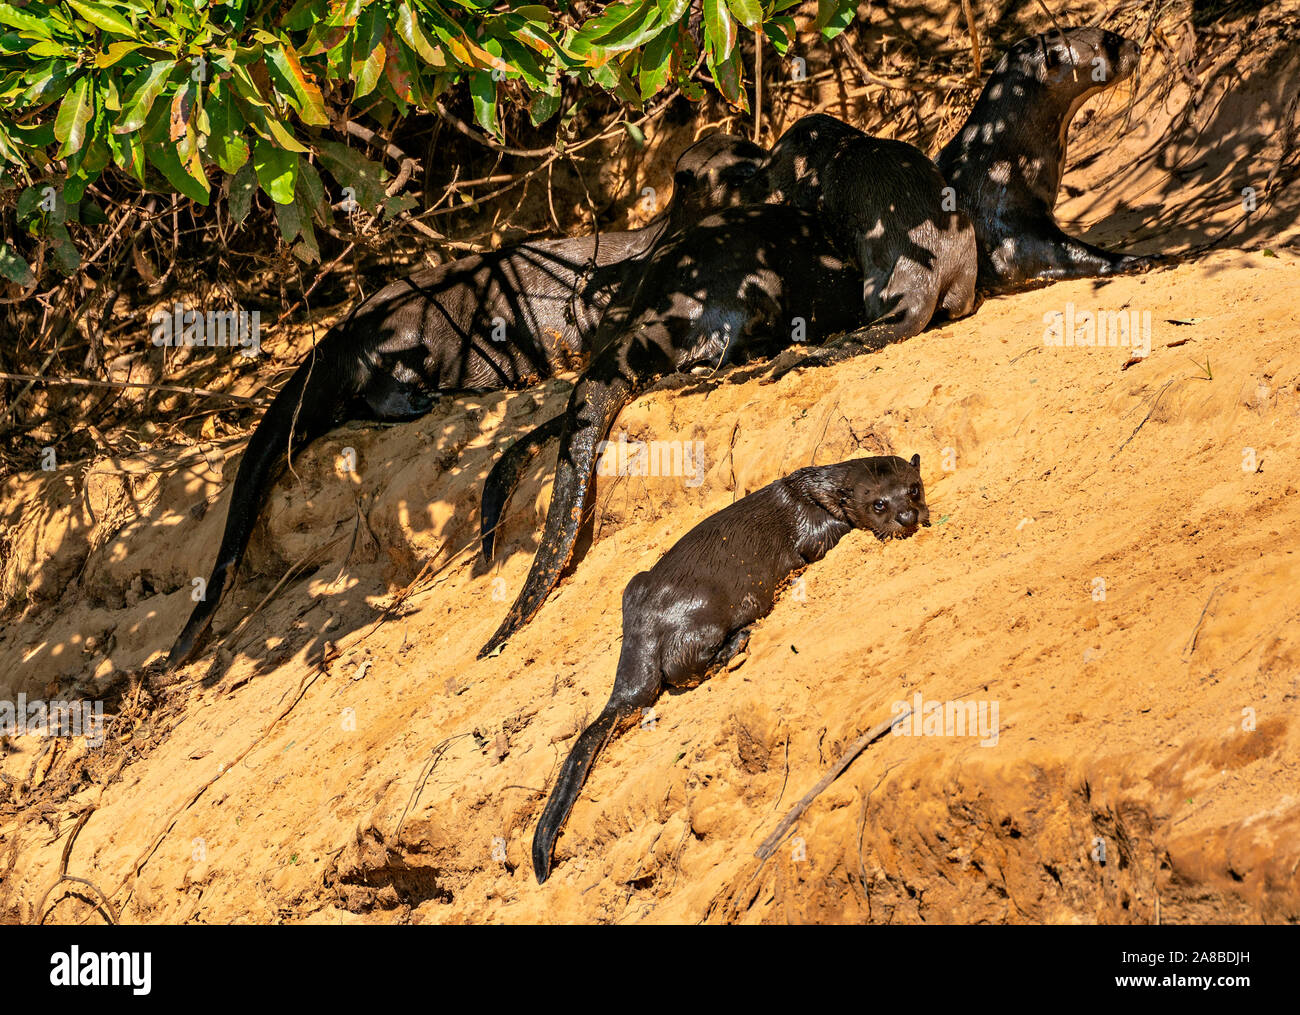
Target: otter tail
594,404
304,408
636,686
501,482
572,777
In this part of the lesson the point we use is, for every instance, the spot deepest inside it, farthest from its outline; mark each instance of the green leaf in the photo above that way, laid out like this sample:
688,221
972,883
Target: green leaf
13,267
29,202
525,62
614,25
139,100
410,32
748,12
308,100
15,18
181,175
729,77
74,113
115,52
225,143
542,107
780,31
243,185
66,258
74,186
277,171
352,169
310,193
656,64
638,28
102,16
289,221
371,69
128,152
672,11
37,135
483,93
49,47
398,203
719,31
833,16
91,214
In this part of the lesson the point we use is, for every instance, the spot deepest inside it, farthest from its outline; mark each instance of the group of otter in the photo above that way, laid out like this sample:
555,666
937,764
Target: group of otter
832,232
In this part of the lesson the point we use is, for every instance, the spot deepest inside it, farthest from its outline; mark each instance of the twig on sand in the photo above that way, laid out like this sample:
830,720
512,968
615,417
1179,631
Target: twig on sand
974,30
769,844
296,568
862,825
435,756
1196,631
105,905
1154,403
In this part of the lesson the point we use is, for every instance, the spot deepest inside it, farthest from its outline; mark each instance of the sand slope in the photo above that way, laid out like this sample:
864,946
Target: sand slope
1113,563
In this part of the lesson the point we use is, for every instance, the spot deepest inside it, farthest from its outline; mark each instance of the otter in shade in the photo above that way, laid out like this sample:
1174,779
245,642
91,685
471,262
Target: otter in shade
1007,160
882,203
744,282
504,319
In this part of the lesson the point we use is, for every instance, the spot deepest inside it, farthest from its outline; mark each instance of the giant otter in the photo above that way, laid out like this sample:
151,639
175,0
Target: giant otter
882,202
885,207
733,286
1006,161
498,320
691,612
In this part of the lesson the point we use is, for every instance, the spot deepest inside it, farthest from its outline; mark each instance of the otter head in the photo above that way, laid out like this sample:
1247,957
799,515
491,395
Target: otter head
791,173
712,174
1073,64
888,497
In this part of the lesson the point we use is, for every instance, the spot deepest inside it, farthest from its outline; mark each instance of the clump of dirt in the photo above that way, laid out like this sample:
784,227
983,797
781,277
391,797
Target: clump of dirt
1109,586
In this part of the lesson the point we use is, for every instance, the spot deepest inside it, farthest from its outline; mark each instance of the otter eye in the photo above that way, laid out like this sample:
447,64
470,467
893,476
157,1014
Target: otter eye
914,492
879,507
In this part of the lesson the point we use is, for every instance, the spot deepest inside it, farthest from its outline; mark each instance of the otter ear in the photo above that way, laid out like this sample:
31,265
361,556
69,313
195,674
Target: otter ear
916,461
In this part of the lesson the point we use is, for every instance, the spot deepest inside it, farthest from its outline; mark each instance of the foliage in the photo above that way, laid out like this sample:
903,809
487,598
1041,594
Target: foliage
207,98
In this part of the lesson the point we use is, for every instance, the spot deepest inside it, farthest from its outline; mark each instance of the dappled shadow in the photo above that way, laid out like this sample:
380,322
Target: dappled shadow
746,281
1155,165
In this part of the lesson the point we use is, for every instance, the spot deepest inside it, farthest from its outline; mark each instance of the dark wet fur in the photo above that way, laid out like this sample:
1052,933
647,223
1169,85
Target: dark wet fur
882,203
1007,160
691,612
433,332
720,292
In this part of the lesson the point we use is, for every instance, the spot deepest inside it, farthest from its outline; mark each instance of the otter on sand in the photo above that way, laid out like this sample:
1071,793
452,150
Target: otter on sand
1007,160
503,319
742,283
691,612
882,204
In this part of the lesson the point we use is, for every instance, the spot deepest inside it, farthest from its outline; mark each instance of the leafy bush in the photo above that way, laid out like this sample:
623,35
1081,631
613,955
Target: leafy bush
207,97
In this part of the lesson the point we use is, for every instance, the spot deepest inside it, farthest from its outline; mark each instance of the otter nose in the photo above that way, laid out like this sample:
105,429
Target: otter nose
907,518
